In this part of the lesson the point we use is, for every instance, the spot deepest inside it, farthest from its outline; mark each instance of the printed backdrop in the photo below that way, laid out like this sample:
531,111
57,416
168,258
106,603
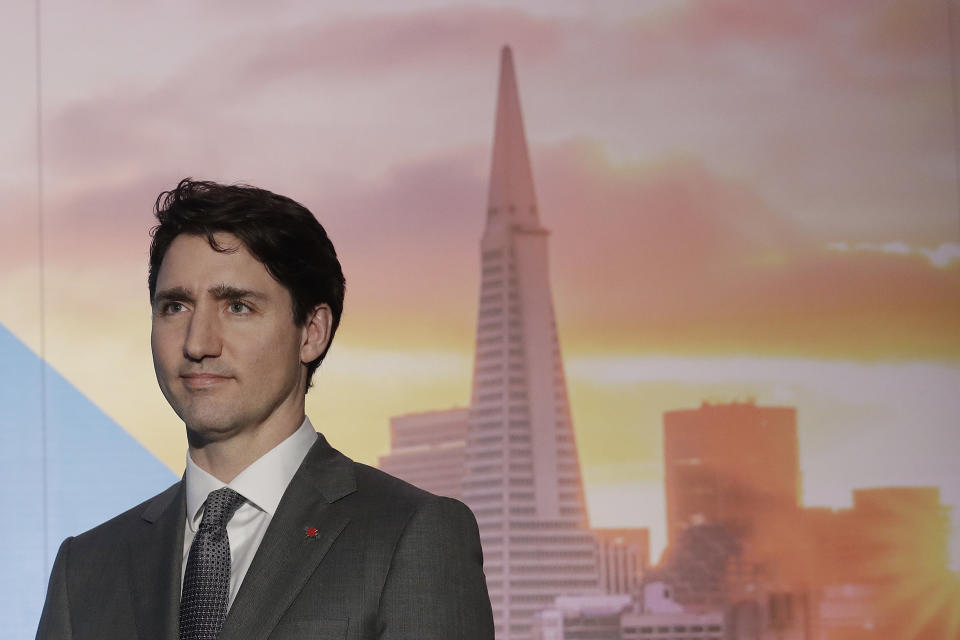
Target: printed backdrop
747,201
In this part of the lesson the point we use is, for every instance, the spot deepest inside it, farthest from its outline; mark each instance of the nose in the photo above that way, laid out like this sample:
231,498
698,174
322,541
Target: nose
203,338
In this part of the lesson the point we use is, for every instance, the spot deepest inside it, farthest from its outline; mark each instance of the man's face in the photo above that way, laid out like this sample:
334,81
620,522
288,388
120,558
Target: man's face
225,347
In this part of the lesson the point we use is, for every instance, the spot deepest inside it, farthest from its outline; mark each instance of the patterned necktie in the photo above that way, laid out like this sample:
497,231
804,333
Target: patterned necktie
206,583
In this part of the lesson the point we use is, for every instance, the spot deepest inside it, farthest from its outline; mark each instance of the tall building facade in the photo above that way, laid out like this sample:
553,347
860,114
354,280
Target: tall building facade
623,557
522,476
736,465
427,449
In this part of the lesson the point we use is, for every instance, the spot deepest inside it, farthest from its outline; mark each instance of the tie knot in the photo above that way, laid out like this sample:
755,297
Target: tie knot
220,507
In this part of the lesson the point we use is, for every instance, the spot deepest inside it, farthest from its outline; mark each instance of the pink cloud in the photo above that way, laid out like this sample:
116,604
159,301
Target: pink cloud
904,28
823,45
668,256
691,260
19,229
367,47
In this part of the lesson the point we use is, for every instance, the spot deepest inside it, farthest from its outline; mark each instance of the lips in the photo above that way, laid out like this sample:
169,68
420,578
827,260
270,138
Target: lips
202,380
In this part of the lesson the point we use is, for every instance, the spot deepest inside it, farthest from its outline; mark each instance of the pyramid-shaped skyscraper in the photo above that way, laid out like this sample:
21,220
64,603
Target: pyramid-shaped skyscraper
522,476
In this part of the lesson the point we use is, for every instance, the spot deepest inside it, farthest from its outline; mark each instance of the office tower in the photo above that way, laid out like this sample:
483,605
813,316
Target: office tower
427,449
582,618
658,617
736,465
623,556
522,472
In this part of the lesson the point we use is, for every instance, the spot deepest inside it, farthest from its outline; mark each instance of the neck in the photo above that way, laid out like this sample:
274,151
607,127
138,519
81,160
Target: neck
225,459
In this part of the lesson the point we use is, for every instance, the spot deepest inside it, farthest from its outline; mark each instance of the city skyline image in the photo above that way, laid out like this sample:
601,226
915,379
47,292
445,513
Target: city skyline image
741,543
667,293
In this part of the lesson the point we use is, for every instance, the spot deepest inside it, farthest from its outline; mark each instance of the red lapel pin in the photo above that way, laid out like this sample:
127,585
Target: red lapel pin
311,532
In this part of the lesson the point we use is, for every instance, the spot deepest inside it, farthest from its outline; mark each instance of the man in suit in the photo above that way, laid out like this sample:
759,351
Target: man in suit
271,533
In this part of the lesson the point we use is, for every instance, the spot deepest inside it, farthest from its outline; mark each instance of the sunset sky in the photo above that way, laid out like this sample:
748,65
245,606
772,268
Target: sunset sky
746,200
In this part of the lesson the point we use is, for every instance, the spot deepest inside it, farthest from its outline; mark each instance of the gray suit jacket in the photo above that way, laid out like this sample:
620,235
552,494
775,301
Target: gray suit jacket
388,561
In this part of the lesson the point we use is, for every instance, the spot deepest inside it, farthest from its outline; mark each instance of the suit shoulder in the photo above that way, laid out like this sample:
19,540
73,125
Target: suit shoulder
381,483
120,526
400,496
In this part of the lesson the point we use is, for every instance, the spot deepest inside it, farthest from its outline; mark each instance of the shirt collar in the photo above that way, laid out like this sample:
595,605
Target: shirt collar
262,483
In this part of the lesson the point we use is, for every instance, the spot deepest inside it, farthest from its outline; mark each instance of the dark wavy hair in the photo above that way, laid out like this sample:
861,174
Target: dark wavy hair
279,232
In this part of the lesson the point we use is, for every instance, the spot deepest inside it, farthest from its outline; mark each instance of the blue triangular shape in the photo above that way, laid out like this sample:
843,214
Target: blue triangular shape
65,467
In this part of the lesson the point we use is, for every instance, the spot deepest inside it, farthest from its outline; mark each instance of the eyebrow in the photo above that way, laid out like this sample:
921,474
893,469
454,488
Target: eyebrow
218,292
228,292
172,294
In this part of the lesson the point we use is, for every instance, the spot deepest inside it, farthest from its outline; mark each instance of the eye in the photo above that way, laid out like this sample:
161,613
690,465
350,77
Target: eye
170,308
239,307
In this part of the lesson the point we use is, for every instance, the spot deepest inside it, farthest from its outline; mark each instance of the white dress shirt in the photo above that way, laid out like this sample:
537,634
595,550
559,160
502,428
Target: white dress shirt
262,484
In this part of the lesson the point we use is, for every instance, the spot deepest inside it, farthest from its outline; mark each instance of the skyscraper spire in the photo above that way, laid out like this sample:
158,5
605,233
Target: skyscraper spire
511,196
522,474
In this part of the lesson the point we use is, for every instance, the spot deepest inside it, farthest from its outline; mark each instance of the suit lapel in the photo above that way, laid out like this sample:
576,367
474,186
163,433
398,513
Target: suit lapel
291,551
155,555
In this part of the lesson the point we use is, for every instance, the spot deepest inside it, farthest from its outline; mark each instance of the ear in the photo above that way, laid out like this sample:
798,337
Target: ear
316,333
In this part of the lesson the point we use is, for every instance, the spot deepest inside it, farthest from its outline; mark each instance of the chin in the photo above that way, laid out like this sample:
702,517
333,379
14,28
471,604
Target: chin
203,433
208,426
